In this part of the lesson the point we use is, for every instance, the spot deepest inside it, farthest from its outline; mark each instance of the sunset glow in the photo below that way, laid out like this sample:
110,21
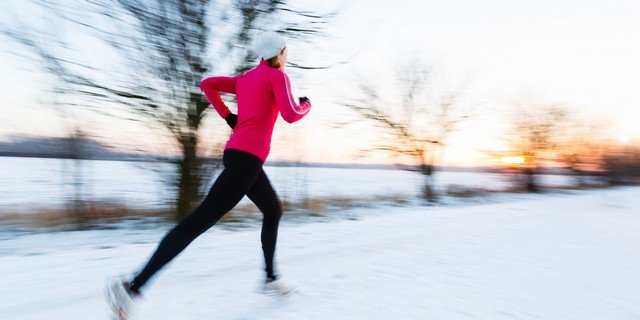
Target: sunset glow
512,160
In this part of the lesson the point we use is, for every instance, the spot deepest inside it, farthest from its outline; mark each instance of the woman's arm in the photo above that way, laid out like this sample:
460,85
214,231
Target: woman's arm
290,111
212,87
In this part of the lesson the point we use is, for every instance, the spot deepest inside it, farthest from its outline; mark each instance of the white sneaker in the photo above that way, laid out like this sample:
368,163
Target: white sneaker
120,298
277,287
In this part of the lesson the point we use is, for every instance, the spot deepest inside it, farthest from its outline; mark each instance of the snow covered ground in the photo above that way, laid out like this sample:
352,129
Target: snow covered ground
556,256
144,184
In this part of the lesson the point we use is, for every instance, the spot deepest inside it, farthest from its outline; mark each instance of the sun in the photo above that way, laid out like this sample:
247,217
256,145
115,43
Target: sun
512,160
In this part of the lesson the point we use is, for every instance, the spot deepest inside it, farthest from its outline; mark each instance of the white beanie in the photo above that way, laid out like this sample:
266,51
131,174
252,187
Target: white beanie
268,44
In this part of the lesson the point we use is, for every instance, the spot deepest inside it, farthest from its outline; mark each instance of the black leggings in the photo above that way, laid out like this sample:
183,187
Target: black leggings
242,175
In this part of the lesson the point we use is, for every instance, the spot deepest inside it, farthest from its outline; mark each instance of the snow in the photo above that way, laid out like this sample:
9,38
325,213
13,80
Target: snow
144,184
552,256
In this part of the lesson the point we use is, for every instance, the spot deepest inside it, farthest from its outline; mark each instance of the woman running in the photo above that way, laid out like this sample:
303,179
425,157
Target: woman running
262,93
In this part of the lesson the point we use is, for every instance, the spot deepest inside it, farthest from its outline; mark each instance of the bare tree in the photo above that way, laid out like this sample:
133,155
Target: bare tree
415,124
164,45
581,149
621,165
535,136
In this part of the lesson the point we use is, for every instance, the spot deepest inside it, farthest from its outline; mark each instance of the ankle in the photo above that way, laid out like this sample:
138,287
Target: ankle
133,288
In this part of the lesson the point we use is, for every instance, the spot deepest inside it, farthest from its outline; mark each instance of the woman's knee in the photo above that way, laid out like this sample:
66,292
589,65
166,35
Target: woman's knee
273,212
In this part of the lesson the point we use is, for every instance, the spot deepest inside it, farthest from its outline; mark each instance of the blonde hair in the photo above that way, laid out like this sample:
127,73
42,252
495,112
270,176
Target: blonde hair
275,62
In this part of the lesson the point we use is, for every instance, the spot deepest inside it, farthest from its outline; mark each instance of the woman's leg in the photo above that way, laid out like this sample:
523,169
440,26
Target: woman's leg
266,199
239,174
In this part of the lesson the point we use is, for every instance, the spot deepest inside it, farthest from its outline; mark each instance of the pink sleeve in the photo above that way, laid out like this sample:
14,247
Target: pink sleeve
212,87
290,111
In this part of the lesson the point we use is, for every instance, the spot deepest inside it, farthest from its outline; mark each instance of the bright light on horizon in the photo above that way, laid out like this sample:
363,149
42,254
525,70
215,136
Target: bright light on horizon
512,160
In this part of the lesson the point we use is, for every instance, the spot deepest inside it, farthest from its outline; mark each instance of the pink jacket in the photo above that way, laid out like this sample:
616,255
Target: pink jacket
262,93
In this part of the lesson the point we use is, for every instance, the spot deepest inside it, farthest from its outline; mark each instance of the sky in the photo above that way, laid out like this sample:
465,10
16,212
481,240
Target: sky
582,54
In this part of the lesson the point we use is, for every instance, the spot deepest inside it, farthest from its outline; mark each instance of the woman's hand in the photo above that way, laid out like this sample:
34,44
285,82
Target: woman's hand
304,99
232,120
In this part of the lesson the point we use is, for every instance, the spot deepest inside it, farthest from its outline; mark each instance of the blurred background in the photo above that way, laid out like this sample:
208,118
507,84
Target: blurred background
416,104
102,114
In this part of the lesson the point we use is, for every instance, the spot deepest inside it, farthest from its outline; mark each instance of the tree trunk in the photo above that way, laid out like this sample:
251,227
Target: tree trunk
190,165
190,177
530,180
428,189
